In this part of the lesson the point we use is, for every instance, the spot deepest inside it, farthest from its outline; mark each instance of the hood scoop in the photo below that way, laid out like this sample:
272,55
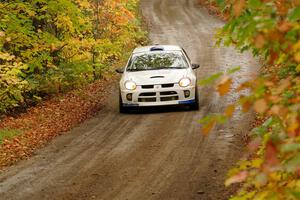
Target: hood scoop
157,77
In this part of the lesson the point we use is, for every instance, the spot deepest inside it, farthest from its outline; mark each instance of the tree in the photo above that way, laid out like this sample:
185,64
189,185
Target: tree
270,29
50,46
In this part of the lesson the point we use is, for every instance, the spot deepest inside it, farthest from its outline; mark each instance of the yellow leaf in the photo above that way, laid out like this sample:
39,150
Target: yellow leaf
257,162
275,176
298,68
260,106
296,46
224,86
297,57
293,125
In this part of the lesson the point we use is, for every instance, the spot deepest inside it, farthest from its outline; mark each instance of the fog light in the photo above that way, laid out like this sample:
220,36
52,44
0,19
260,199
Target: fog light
129,97
187,93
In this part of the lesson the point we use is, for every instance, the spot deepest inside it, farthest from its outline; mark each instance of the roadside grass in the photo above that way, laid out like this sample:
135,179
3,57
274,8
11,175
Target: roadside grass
8,133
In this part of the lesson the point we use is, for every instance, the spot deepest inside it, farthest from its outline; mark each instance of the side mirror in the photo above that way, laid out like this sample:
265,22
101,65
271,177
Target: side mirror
120,70
195,66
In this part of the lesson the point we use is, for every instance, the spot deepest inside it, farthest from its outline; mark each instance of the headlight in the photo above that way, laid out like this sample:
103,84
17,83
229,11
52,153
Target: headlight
184,82
130,85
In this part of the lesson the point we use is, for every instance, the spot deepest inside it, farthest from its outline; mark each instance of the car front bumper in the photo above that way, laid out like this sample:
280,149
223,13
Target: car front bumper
158,95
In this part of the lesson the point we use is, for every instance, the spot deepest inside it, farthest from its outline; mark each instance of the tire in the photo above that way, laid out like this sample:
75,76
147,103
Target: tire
195,106
122,109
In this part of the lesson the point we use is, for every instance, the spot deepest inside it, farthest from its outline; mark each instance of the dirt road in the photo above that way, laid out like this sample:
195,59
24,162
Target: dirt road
153,155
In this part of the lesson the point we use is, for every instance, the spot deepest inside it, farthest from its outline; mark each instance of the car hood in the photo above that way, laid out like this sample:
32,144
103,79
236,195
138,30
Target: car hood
156,76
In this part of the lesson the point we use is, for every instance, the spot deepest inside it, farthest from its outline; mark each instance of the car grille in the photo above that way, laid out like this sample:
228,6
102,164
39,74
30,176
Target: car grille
147,86
168,93
147,94
147,99
167,85
173,98
158,96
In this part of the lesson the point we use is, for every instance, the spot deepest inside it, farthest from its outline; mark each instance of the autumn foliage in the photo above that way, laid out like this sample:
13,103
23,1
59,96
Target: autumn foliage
271,30
61,52
52,46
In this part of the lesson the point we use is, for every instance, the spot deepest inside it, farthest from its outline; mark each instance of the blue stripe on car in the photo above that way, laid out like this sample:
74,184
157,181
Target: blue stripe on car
187,102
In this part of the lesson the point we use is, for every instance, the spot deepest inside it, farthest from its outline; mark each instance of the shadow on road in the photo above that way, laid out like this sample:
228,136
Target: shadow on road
159,109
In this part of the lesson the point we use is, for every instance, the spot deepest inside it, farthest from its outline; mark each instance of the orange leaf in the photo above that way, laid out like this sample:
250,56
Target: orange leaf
274,99
271,155
246,105
243,86
238,178
238,7
296,2
273,57
254,144
261,106
208,127
275,110
282,9
284,26
230,110
275,35
224,86
279,110
259,41
283,85
293,125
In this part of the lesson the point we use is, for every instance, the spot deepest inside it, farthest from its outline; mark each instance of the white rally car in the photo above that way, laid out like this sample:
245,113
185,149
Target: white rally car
158,75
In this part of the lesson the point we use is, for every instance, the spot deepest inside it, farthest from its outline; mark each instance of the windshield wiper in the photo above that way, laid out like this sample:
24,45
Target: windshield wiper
136,70
171,68
156,68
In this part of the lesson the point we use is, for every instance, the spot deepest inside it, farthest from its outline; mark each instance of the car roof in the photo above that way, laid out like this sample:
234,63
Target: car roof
150,48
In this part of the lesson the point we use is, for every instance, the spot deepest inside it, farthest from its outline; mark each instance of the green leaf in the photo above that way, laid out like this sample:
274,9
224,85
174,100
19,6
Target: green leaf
292,164
233,70
259,131
221,119
295,14
8,133
254,4
210,79
220,3
285,148
206,119
296,193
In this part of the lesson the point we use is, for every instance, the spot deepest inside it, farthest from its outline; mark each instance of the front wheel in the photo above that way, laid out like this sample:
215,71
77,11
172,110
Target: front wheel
195,105
122,109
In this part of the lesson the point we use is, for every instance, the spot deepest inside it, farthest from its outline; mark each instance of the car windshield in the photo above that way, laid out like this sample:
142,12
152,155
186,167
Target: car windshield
157,60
